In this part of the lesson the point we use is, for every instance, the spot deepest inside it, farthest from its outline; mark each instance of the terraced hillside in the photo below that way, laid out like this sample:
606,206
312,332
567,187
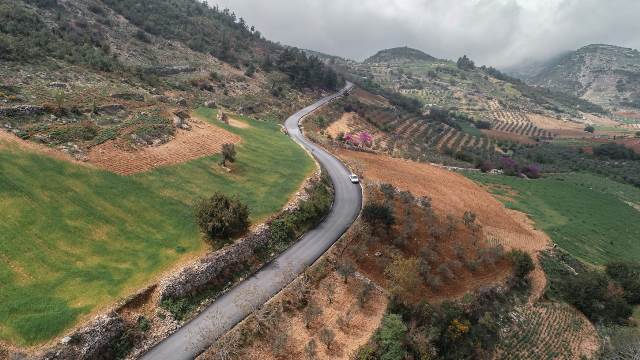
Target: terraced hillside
403,134
516,122
547,331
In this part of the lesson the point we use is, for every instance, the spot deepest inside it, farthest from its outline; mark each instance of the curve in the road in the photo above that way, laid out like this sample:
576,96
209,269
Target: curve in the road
201,332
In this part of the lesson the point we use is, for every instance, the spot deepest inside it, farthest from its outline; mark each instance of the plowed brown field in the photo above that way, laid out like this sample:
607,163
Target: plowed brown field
454,194
203,140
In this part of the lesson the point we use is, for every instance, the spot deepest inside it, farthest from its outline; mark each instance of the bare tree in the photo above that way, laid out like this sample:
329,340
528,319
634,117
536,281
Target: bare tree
346,269
344,321
365,293
279,344
311,313
311,349
330,291
327,336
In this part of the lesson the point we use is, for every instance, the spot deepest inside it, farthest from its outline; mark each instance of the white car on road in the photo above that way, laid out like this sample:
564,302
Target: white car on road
354,179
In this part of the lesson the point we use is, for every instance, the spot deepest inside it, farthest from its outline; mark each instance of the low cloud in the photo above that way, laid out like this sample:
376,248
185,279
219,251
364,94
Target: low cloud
493,32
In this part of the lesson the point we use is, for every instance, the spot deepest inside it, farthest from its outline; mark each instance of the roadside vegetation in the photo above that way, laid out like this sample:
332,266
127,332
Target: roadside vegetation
95,236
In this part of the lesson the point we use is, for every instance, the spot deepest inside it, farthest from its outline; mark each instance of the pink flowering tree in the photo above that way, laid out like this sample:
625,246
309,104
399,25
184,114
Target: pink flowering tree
365,139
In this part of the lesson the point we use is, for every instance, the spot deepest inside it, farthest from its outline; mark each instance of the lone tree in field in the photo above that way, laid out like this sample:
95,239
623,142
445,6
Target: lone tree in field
345,268
220,217
228,154
327,336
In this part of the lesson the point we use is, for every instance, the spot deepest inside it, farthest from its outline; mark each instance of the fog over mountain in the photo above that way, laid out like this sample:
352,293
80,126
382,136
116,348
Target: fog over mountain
496,32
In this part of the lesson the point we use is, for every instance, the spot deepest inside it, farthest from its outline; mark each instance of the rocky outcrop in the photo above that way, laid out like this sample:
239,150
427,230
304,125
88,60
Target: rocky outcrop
207,270
58,85
170,70
91,342
180,120
22,110
110,109
129,96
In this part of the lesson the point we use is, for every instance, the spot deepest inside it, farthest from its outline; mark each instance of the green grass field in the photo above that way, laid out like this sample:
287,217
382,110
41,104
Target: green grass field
588,216
74,239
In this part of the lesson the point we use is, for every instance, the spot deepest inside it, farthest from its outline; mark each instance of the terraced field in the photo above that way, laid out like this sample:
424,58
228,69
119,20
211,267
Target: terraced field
413,134
516,122
547,331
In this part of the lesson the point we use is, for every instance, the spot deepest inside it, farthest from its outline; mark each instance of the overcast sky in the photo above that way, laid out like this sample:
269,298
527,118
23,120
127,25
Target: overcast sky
493,32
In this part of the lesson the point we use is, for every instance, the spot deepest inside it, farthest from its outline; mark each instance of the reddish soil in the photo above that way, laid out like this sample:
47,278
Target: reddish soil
631,143
453,194
203,140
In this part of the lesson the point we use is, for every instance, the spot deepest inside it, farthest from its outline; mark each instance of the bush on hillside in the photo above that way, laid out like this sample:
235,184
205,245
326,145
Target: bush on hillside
591,292
590,129
391,337
220,217
615,152
378,214
627,275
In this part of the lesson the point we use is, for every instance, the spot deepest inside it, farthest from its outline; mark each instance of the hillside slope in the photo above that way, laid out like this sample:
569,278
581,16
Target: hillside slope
604,74
400,55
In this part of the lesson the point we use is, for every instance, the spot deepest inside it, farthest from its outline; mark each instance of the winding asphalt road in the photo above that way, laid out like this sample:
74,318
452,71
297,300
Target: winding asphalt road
197,335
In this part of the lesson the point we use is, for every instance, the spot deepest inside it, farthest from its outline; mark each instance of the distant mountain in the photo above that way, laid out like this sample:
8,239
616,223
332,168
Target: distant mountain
604,74
400,55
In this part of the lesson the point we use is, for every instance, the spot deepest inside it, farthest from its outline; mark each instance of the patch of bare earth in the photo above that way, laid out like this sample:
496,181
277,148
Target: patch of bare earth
454,194
202,140
564,128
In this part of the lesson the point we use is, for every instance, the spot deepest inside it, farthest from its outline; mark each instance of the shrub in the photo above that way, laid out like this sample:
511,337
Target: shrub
615,152
522,263
628,276
327,336
345,268
228,154
391,336
221,217
531,171
378,214
590,129
509,166
485,166
591,293
483,125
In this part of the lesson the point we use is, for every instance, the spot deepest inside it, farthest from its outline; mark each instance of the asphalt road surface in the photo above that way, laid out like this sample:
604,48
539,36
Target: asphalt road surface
200,333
